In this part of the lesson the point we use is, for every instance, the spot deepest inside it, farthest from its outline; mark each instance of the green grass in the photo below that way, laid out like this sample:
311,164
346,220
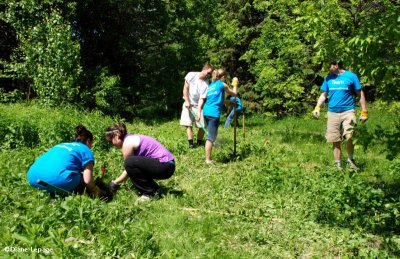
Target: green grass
280,197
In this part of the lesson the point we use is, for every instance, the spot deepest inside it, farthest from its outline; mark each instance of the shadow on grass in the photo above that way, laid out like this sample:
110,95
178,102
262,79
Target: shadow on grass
296,136
163,191
240,155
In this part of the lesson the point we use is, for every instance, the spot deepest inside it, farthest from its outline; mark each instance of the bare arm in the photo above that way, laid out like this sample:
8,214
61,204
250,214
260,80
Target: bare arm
122,178
321,99
229,91
200,108
88,180
363,102
128,149
186,94
316,112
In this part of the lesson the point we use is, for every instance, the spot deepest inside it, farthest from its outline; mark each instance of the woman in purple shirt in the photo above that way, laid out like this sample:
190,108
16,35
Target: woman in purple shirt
145,159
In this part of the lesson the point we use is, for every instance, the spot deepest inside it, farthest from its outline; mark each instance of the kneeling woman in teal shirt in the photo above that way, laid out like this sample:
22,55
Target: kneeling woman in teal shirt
68,166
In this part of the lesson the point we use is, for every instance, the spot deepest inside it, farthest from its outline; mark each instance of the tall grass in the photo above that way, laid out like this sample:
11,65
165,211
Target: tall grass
280,196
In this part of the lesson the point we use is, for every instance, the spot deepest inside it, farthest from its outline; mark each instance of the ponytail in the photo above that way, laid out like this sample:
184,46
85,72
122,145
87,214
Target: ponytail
82,134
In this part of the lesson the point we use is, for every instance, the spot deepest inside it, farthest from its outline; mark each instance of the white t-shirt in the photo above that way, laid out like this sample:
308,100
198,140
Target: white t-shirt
197,88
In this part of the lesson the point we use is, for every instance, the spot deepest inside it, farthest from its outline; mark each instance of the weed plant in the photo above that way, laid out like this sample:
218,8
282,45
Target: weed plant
279,197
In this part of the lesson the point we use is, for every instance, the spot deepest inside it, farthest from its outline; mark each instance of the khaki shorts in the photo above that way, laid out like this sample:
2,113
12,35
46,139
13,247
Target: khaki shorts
340,124
187,119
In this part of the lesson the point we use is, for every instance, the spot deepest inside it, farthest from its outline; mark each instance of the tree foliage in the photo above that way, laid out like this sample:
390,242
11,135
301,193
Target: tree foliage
131,56
298,39
46,55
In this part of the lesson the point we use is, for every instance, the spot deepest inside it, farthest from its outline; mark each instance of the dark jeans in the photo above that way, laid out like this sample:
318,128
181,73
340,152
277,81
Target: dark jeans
212,124
143,170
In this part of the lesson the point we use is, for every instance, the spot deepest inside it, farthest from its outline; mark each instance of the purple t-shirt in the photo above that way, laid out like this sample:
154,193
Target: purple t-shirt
150,147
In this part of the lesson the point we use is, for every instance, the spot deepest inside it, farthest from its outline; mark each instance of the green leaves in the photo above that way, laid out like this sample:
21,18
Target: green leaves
57,50
47,56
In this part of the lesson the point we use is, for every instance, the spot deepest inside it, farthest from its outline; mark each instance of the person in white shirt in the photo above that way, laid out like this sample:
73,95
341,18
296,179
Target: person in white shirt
194,95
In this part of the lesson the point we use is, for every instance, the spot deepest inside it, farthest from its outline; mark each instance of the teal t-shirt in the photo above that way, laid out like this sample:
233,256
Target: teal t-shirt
340,90
238,103
61,166
215,99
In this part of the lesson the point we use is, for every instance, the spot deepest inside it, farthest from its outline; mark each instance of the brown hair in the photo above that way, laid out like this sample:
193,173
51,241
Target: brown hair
208,66
337,62
119,129
217,74
82,134
221,73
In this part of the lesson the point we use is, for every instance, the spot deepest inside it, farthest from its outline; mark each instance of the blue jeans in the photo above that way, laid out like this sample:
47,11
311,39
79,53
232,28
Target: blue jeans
230,118
212,124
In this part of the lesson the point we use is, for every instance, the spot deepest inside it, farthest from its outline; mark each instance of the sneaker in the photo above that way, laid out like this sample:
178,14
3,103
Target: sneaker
352,164
210,162
191,146
144,198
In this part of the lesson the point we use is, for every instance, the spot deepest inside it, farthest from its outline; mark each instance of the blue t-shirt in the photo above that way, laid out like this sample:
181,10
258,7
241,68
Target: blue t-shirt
340,90
215,99
61,165
238,103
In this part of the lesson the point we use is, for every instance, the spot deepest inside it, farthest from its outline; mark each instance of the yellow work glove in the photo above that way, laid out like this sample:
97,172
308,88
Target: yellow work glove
316,112
364,116
235,82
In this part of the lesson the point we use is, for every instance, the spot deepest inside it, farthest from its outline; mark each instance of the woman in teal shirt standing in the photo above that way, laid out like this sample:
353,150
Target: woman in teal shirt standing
213,106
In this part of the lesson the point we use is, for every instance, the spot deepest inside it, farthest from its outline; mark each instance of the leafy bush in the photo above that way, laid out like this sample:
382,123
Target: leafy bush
46,56
387,133
357,204
18,134
23,126
109,94
10,97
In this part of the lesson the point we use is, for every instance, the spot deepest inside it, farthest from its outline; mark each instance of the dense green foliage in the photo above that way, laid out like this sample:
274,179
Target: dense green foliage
298,38
134,54
46,57
281,197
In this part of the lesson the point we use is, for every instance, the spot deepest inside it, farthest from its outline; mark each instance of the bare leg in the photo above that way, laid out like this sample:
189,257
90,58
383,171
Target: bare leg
337,151
189,131
208,148
349,146
200,134
350,153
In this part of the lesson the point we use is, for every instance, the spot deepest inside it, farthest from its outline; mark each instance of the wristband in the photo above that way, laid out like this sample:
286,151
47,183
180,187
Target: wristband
317,108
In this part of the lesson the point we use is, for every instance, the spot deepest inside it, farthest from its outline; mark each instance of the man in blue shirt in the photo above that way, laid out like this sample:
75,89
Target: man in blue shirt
339,87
